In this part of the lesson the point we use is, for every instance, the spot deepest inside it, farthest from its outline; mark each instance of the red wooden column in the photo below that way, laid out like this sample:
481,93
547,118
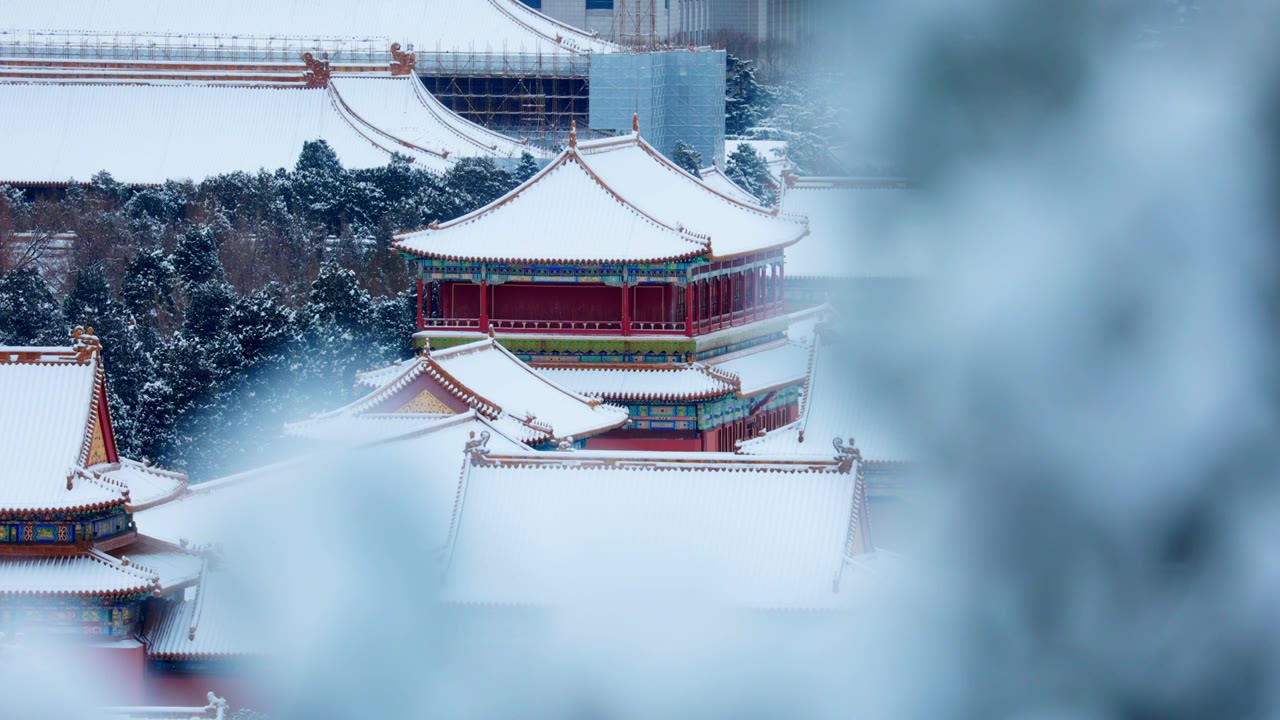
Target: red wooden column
421,323
626,308
688,309
782,284
484,306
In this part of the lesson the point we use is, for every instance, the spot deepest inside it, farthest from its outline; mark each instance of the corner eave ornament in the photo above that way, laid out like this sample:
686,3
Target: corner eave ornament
85,344
478,448
846,455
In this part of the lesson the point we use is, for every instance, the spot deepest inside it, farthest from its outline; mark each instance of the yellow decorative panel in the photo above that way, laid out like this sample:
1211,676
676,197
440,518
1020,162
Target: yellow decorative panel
425,402
97,445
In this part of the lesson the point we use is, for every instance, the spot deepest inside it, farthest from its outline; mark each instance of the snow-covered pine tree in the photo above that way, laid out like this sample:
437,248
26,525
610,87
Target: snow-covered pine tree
749,170
29,314
527,168
689,159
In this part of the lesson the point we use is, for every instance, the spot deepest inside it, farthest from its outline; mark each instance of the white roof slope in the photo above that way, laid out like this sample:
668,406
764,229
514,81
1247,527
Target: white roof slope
586,528
151,133
207,511
767,368
517,399
466,26
494,373
211,623
402,107
147,485
641,383
715,179
90,573
854,233
834,406
605,201
45,417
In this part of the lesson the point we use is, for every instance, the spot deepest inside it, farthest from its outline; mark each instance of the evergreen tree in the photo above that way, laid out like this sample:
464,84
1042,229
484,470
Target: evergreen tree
527,168
746,102
147,287
750,171
687,158
474,183
319,184
29,315
196,259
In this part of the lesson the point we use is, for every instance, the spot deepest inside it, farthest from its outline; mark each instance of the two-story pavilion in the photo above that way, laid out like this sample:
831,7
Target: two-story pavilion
613,257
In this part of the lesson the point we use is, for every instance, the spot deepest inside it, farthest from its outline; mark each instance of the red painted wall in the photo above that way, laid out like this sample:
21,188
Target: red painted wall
521,301
460,300
191,690
645,443
123,673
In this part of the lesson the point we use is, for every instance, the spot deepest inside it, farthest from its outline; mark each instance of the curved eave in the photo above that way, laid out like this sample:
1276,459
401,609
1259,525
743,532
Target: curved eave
578,261
571,154
122,502
756,251
337,96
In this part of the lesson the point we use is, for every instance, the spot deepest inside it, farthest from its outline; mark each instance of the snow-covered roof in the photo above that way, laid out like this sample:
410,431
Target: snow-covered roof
145,134
607,201
491,371
400,108
175,566
688,382
484,376
715,178
833,405
442,26
205,512
91,573
148,485
768,367
604,527
47,426
854,232
209,623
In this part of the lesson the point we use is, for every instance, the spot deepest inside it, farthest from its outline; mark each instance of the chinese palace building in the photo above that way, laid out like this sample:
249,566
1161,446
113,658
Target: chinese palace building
628,279
73,563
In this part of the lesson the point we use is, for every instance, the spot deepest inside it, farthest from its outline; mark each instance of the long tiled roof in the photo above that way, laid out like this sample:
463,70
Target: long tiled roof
854,232
607,201
592,527
86,574
442,26
767,368
690,382
47,417
175,566
834,405
151,133
403,109
203,514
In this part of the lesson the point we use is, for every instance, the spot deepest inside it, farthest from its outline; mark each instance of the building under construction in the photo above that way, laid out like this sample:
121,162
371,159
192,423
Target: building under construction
499,63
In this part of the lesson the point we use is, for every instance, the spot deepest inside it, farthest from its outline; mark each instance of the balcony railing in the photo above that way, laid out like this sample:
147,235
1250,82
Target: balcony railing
565,326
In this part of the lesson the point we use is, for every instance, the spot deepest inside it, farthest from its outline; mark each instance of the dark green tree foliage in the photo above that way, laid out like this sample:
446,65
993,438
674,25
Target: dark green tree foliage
476,182
527,168
750,171
229,307
148,286
746,102
687,158
318,183
196,259
29,315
